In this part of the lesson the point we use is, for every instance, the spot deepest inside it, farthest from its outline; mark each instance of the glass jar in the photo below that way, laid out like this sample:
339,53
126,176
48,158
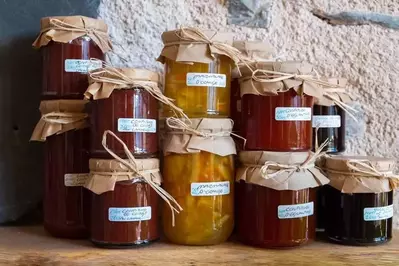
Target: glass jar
268,218
331,123
65,67
201,90
65,206
277,123
202,183
127,216
347,220
132,114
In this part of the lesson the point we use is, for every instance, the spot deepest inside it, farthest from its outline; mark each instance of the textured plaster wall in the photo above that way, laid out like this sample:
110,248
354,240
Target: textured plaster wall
366,55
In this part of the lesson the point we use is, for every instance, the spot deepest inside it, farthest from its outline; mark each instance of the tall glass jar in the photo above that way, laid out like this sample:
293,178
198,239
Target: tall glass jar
124,211
276,116
197,76
275,206
359,199
66,54
198,172
132,114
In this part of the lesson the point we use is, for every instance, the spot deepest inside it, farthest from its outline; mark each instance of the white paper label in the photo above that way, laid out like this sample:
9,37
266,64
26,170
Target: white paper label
81,66
210,188
326,121
293,114
75,180
137,125
206,80
129,214
295,211
378,213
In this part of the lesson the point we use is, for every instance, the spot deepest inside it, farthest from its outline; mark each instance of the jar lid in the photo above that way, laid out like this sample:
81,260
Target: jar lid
340,163
67,28
190,45
105,173
340,93
280,170
255,50
289,67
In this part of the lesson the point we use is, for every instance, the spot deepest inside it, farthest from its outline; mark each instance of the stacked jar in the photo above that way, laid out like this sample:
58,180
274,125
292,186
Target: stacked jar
198,168
277,179
124,166
67,45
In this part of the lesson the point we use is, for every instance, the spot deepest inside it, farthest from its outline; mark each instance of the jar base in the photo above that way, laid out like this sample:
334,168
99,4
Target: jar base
359,242
286,245
110,245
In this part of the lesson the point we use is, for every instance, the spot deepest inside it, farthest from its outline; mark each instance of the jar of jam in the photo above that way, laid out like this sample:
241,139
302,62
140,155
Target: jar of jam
276,116
359,199
128,110
275,198
66,165
124,207
329,118
197,77
67,45
198,172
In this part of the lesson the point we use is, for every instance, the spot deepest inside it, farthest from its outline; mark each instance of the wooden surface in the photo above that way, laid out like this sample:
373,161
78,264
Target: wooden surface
30,245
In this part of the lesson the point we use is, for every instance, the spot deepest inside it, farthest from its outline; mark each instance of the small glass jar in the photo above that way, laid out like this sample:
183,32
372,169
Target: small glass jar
202,183
263,216
65,206
132,114
330,121
277,123
126,216
66,54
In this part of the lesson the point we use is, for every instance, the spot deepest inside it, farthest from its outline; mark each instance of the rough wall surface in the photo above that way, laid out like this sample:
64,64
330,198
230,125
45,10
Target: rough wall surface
366,55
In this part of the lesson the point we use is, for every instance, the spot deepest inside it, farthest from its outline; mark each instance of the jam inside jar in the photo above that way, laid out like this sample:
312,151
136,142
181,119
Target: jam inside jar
125,217
265,217
132,114
65,67
64,206
277,123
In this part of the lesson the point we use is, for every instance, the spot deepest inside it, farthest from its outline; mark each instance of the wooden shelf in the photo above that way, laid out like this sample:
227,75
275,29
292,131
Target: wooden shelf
30,245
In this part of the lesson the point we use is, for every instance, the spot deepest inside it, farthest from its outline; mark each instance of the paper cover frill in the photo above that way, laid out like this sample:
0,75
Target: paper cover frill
252,161
105,173
178,141
347,183
184,51
341,96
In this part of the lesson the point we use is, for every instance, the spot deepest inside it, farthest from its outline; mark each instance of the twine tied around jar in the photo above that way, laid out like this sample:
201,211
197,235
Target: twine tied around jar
176,123
131,164
367,169
99,37
64,118
282,168
112,75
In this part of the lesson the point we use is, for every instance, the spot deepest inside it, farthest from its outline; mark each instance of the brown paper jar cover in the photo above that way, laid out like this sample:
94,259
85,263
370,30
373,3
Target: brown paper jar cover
76,119
127,109
342,96
346,180
183,142
252,161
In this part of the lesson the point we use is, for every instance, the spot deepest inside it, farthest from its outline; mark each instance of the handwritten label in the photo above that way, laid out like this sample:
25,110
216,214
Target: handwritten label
75,180
81,66
293,114
210,188
378,213
206,80
137,125
129,214
295,211
326,121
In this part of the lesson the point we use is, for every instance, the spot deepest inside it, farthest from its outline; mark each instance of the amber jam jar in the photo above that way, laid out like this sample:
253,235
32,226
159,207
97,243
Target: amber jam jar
124,211
278,210
276,116
132,114
66,158
198,81
359,205
66,54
